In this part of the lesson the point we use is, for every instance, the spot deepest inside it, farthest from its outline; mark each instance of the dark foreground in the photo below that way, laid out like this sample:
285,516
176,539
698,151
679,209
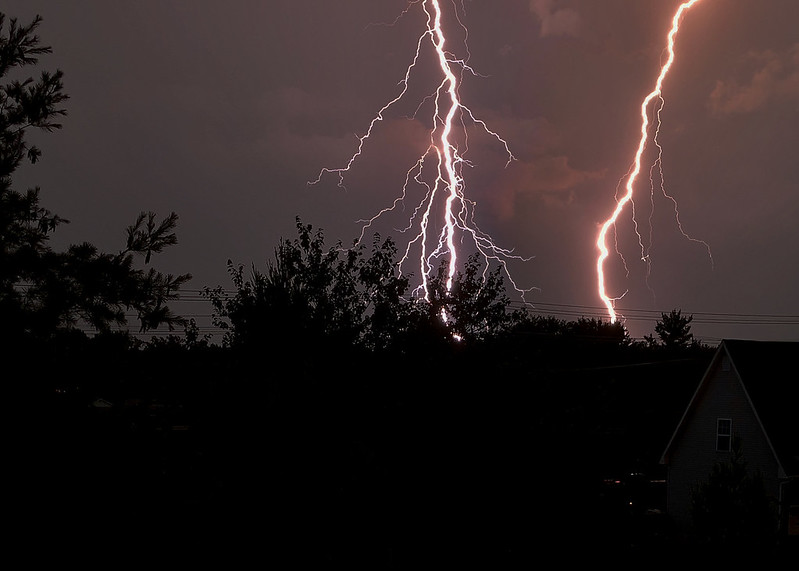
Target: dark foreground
378,471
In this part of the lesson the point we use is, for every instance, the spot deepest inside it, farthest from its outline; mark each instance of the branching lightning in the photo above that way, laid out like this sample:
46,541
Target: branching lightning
627,197
438,238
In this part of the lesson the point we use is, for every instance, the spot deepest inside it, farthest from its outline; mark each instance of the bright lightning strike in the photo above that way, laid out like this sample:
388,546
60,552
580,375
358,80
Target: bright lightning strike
438,237
627,197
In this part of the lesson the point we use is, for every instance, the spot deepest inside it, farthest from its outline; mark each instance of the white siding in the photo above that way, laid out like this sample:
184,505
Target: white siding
694,453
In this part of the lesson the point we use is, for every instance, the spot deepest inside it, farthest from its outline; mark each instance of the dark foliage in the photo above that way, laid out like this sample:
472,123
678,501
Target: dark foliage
731,510
313,300
43,291
674,331
341,424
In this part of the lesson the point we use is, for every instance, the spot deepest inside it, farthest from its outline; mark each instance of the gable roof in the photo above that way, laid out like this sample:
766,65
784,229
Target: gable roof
768,373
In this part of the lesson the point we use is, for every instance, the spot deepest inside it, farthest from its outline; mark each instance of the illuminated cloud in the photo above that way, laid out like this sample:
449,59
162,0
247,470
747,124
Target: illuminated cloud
775,78
549,180
554,21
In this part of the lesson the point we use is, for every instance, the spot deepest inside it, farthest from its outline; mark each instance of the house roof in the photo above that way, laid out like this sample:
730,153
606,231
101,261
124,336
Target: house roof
768,372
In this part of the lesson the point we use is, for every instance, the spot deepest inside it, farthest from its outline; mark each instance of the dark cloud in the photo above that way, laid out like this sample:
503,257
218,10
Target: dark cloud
549,181
555,21
775,78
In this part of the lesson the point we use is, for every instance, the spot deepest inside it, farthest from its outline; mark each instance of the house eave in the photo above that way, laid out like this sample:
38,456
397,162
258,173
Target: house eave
781,472
664,458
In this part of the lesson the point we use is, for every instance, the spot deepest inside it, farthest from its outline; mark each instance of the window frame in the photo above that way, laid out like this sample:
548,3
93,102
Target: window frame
723,436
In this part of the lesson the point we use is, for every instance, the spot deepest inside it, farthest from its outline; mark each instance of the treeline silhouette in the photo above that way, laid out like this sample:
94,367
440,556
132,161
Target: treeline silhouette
341,420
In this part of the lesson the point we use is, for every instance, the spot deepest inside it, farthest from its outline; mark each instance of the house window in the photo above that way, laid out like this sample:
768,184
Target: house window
723,434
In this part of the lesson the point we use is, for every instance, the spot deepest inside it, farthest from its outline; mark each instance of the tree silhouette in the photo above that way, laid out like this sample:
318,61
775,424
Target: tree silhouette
674,331
314,294
43,291
311,294
732,508
476,306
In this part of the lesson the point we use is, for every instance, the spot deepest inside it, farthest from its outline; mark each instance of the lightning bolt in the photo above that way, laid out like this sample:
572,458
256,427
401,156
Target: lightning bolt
627,196
445,192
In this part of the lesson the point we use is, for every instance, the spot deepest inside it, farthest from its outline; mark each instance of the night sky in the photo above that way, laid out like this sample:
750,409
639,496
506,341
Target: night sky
223,111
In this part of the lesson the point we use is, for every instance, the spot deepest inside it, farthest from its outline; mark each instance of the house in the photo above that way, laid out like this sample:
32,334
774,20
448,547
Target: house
749,392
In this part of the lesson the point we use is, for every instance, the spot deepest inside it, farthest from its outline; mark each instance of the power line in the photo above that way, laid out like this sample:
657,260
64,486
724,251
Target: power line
597,311
571,310
557,310
634,314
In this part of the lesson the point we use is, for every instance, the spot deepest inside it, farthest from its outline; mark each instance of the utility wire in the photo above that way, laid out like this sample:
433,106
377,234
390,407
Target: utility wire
546,309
